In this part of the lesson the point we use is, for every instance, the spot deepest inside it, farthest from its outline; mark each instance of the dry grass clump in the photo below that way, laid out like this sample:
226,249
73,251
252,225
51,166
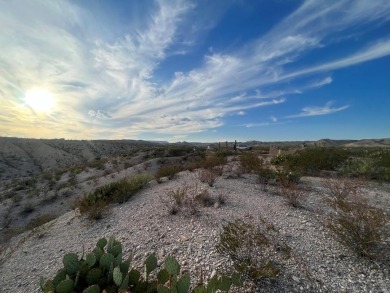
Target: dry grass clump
40,220
253,249
207,176
188,200
180,200
354,222
294,195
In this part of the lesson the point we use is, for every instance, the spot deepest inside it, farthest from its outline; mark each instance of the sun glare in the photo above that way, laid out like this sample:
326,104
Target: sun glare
39,100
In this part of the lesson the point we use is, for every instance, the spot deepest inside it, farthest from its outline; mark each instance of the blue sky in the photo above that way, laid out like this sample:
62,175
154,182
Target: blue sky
195,70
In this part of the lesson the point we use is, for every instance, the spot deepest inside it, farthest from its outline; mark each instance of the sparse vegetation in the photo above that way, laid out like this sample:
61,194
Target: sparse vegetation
104,270
354,222
120,191
251,248
294,195
40,220
169,171
250,161
187,199
207,176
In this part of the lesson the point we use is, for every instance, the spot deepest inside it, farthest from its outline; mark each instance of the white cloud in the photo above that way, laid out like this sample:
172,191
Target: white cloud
63,48
273,119
318,110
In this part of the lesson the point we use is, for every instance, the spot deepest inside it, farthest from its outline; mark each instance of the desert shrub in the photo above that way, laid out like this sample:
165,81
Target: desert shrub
96,164
287,178
354,222
213,161
233,171
27,209
265,175
181,200
188,198
207,176
26,183
104,270
250,162
40,220
293,195
313,160
221,199
224,153
367,167
168,170
204,198
251,248
177,151
192,165
119,191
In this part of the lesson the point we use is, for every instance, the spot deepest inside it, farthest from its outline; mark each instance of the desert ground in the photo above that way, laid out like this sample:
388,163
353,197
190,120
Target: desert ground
305,251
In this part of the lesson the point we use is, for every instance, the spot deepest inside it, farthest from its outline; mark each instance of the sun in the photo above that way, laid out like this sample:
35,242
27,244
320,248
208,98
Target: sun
39,100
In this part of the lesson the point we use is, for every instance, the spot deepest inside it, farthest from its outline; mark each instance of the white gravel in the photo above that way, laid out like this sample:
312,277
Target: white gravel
318,263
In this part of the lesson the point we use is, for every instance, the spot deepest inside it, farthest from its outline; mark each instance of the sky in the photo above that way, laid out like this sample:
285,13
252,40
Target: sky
267,70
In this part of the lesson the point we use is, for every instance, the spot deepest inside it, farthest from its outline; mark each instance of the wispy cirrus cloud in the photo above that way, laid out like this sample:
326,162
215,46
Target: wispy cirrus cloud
106,84
319,110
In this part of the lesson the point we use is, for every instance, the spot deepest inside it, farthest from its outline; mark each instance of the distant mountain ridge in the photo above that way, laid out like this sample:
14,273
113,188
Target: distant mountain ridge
20,157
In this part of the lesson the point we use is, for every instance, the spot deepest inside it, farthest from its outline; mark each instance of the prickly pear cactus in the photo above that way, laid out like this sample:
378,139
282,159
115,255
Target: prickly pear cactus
71,263
117,276
183,285
65,286
172,266
150,264
103,270
92,289
93,276
90,259
106,260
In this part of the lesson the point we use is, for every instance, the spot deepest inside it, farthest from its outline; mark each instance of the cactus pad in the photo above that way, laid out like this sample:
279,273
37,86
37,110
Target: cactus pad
92,289
116,249
101,243
183,285
106,260
134,276
71,263
60,276
65,286
150,264
171,265
98,252
163,289
90,259
224,283
162,276
117,276
93,276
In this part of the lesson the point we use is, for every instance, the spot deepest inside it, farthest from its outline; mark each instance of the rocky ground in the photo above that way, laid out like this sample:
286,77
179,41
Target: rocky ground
317,263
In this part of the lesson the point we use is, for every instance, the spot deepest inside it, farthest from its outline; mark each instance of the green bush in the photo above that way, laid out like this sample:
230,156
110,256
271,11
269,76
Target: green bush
119,192
104,270
169,170
177,151
368,167
313,160
250,162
